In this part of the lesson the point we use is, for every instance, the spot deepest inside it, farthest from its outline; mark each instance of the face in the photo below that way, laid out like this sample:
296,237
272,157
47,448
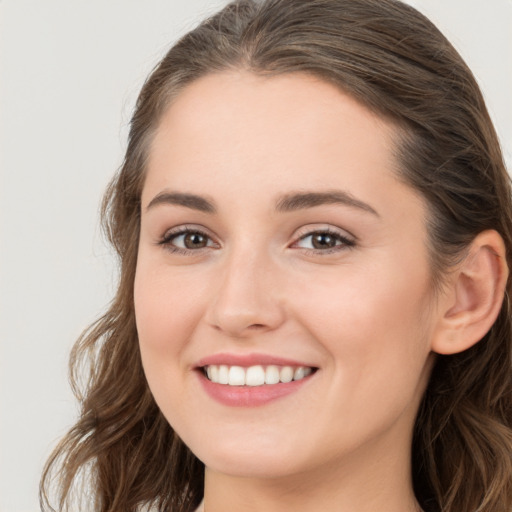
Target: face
283,294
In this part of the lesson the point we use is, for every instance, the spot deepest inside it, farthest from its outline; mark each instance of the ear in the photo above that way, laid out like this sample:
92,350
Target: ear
473,297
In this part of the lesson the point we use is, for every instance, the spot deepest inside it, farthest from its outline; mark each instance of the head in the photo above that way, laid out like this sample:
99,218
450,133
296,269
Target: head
394,63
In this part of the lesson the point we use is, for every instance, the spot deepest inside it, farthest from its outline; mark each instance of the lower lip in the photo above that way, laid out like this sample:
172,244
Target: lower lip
249,396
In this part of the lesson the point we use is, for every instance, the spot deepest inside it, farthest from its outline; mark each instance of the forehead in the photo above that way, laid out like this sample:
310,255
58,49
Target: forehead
250,139
253,104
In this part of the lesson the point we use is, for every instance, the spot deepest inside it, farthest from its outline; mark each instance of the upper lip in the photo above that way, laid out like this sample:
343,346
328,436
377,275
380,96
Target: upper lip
246,360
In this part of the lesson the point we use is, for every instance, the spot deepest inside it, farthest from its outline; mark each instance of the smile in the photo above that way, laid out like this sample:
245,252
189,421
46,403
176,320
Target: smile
257,375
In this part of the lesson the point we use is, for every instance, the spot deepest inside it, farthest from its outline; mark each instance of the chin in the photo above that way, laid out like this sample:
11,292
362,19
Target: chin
259,467
249,458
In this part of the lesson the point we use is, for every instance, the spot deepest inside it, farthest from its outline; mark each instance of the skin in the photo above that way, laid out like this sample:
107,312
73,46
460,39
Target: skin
364,314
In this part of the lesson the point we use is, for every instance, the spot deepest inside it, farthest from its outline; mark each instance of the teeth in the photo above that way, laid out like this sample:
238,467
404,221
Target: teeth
298,373
272,375
255,375
214,373
223,374
236,376
286,374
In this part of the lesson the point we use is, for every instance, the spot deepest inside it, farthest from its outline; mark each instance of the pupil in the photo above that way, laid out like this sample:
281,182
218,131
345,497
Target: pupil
195,240
323,240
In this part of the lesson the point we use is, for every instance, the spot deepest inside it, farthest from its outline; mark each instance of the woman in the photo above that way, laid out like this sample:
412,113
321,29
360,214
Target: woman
314,225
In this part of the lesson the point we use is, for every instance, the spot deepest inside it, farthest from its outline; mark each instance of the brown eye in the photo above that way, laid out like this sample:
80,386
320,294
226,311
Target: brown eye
195,240
323,241
187,240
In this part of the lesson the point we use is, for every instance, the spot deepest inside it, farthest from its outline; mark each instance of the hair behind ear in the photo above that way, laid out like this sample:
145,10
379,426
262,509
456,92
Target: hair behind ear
465,417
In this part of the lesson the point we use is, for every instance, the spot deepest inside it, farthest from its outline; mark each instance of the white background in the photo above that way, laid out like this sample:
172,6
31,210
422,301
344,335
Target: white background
70,72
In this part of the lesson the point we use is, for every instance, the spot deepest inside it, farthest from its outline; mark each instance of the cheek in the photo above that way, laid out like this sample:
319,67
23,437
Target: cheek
366,298
377,340
167,312
165,307
373,322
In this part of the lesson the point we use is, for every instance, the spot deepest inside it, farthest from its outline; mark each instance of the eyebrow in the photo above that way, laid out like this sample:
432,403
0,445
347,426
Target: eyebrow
182,199
302,200
287,203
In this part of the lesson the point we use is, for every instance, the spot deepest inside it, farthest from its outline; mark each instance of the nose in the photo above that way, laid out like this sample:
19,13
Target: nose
248,297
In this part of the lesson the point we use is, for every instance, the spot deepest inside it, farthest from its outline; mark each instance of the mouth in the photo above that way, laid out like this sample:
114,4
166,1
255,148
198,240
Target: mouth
257,375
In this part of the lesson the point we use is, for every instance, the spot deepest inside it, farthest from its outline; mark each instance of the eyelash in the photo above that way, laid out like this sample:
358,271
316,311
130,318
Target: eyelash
344,241
170,236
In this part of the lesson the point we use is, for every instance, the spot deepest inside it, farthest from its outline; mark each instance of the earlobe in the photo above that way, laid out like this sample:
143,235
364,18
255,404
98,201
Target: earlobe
475,295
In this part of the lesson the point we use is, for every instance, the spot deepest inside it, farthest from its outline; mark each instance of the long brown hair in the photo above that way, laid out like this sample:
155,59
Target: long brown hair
122,452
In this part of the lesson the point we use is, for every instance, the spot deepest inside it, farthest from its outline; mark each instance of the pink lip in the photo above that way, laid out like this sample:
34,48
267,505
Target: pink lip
247,360
247,396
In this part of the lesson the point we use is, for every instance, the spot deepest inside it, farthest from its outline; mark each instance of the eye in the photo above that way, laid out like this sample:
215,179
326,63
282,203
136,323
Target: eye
186,239
326,241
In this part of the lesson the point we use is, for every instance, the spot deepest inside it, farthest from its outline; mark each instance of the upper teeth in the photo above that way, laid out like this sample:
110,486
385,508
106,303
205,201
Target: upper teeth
255,375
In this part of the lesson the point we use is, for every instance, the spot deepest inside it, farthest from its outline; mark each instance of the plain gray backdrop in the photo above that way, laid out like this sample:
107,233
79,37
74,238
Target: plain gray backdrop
70,72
